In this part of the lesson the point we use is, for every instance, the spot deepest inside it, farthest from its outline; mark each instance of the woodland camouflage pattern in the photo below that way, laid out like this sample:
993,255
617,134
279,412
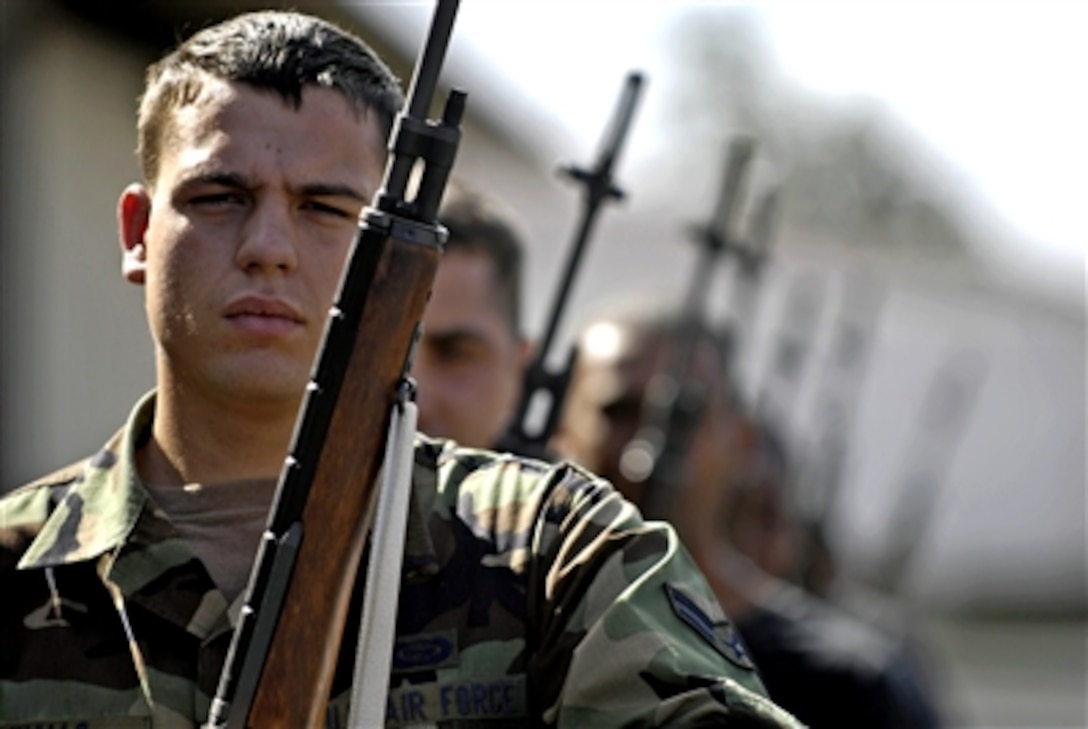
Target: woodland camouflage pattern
529,590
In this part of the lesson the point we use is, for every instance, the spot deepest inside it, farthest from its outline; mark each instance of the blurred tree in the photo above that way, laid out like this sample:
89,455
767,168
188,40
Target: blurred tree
850,172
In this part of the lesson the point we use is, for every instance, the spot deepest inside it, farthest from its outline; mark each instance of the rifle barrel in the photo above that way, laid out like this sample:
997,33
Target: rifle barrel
599,187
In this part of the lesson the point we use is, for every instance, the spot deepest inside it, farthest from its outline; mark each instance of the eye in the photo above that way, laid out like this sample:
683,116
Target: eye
332,209
217,199
458,350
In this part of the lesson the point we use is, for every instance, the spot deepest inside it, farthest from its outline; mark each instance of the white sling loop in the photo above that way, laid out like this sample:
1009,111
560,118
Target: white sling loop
374,651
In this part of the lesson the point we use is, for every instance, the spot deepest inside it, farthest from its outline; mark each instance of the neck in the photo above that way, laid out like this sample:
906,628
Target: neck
197,441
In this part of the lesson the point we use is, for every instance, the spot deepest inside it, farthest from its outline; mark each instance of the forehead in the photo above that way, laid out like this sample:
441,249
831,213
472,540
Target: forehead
465,291
243,127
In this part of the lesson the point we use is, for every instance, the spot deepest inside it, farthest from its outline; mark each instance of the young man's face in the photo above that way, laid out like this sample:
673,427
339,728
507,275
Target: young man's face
241,241
469,363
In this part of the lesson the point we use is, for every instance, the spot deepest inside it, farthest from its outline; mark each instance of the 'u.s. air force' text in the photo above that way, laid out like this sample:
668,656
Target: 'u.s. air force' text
490,698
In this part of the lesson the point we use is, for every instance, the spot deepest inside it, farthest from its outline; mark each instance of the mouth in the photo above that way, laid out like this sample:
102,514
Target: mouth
263,315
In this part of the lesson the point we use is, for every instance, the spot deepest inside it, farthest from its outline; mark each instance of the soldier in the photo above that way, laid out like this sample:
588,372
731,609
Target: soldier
260,139
473,355
759,520
826,668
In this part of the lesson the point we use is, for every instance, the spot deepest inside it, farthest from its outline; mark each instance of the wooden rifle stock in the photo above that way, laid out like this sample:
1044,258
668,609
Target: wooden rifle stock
302,656
281,664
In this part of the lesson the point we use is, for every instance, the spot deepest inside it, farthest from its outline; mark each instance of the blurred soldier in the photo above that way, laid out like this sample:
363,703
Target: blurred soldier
762,524
759,521
472,356
827,668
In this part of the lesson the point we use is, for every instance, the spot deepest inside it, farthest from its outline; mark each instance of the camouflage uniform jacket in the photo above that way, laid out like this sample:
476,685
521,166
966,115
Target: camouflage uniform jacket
528,590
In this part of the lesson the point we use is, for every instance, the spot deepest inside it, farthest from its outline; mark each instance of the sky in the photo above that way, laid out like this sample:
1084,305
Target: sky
995,87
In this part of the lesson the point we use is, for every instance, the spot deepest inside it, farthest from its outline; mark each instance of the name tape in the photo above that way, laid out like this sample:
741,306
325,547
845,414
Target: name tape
479,699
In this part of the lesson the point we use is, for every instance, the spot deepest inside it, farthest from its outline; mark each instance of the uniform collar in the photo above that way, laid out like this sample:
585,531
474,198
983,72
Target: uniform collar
102,506
108,515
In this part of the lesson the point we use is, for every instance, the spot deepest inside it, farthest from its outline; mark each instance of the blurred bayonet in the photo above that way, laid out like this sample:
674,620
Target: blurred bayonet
750,258
753,253
530,430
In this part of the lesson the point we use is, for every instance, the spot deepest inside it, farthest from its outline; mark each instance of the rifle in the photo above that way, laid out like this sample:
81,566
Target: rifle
282,658
750,260
671,405
529,432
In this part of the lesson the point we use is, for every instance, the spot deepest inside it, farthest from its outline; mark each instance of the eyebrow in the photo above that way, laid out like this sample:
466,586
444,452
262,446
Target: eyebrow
452,335
331,189
312,189
215,177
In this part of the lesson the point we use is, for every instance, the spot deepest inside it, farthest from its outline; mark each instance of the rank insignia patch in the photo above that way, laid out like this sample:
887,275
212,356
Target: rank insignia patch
722,636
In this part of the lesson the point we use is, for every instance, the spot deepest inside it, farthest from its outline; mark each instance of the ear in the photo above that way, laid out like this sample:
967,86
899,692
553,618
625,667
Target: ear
133,213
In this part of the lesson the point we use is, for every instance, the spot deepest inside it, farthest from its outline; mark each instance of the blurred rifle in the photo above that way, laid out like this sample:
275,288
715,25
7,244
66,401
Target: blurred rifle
750,257
530,431
283,655
672,403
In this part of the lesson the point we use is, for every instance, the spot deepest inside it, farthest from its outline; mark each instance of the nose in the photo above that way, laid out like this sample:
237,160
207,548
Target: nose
269,239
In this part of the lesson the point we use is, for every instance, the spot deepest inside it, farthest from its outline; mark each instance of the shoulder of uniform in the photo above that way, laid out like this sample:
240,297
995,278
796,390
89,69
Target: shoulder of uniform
61,477
33,502
461,460
492,474
758,710
24,510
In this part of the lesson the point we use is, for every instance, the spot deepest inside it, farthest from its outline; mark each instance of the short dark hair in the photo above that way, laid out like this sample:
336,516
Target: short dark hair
479,223
279,51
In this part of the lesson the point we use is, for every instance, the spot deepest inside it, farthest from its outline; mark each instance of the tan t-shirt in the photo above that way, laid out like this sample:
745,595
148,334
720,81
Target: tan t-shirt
222,523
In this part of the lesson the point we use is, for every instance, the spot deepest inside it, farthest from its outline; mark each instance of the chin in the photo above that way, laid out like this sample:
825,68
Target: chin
267,385
268,396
